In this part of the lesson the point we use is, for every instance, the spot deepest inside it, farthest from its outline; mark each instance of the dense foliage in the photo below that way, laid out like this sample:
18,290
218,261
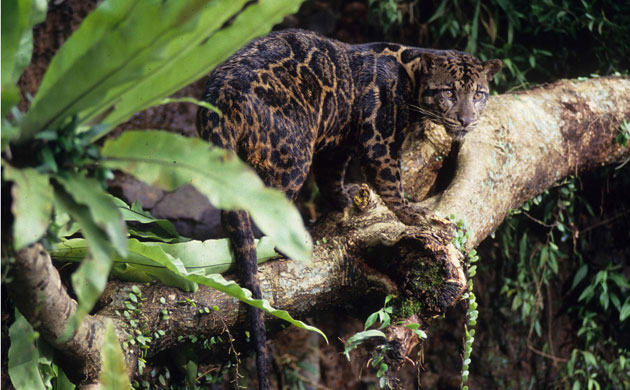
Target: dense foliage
538,40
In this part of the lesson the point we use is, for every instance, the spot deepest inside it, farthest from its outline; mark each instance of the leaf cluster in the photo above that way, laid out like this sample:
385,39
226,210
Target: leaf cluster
376,336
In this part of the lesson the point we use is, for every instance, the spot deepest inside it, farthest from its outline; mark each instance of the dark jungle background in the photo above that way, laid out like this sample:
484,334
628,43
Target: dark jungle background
553,282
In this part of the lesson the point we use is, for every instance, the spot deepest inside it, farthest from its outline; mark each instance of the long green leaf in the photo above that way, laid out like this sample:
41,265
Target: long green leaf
18,18
24,356
103,211
32,197
207,257
90,278
119,43
189,63
169,160
113,374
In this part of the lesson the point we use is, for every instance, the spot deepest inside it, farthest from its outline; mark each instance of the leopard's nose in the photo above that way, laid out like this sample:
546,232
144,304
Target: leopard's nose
465,120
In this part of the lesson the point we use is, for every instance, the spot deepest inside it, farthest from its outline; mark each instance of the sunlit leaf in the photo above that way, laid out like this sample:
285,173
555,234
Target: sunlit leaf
121,61
206,49
116,45
169,161
207,257
32,197
18,18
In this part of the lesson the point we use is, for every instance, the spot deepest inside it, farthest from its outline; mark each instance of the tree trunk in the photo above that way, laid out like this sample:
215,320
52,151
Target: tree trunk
526,142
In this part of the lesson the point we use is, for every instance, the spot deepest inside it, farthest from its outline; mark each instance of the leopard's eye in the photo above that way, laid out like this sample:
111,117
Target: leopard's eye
478,96
447,93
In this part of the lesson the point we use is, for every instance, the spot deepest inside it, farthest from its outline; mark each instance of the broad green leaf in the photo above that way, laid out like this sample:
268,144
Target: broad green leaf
214,256
211,256
90,278
229,287
63,382
169,161
118,44
141,273
18,18
191,62
32,197
113,374
24,356
173,71
103,211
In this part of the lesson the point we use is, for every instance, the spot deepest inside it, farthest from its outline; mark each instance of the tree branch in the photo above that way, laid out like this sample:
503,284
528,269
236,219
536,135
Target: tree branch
528,141
39,294
525,143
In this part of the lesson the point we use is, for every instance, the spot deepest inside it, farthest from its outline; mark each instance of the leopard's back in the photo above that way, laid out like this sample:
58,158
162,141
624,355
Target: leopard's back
293,99
280,96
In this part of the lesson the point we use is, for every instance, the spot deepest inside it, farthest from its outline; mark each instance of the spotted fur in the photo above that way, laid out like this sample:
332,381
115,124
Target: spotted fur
293,99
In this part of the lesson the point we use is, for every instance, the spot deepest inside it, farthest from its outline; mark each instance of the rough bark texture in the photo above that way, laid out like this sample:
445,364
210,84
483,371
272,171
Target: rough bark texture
528,141
525,144
41,297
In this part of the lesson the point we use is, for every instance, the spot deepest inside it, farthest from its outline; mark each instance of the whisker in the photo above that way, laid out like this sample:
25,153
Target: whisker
421,110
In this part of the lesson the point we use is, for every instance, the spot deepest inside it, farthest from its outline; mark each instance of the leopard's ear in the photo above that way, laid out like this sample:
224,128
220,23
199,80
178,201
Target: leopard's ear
428,61
491,67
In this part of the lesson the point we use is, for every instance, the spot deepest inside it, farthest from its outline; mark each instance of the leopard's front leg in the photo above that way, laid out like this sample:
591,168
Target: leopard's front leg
383,173
380,158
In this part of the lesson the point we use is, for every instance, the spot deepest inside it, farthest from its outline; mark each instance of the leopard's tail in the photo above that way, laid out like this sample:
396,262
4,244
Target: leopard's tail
238,226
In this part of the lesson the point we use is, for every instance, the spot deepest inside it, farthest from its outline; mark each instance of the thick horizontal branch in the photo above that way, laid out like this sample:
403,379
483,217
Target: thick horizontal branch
525,144
347,264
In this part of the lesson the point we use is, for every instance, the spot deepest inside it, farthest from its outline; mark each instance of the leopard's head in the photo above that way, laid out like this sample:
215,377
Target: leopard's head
453,89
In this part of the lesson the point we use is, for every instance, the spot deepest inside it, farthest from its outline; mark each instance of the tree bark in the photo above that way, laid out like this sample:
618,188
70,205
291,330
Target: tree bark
526,142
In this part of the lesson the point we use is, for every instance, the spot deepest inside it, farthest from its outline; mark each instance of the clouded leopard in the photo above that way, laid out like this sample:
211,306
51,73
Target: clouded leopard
293,100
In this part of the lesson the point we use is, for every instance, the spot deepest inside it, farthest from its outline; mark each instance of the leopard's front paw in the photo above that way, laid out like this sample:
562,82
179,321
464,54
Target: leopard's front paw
414,215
